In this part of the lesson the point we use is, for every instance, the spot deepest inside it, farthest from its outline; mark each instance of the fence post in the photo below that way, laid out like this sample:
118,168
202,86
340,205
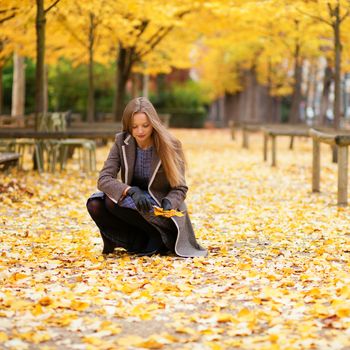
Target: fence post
315,166
342,175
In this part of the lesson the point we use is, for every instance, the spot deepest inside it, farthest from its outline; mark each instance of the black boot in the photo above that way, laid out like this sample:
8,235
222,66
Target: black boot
153,246
108,245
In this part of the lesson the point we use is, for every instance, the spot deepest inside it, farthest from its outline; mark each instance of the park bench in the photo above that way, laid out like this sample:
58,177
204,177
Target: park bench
274,131
116,126
7,121
248,128
8,159
42,136
270,129
341,139
15,122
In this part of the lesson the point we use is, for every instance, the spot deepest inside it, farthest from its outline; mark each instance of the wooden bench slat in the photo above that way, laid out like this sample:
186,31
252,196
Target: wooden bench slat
7,157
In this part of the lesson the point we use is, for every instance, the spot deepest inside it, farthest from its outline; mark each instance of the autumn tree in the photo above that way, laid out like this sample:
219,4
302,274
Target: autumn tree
80,25
332,13
40,25
7,12
271,38
16,38
145,28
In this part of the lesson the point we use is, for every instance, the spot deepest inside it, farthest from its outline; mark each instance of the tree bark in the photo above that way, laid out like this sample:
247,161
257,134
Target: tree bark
294,114
145,83
91,89
40,59
270,100
327,81
1,91
135,85
46,89
309,85
18,86
124,64
315,96
337,68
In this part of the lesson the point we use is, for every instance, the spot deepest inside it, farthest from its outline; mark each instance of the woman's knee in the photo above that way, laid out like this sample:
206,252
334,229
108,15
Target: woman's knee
110,205
95,207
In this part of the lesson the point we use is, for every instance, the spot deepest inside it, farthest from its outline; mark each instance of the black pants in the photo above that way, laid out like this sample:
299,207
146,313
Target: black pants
124,227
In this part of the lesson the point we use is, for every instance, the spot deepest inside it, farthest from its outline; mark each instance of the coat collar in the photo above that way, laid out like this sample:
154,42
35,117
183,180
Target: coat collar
129,154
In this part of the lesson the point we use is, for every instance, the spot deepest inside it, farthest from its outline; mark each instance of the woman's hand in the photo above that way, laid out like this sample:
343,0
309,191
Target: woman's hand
166,205
140,199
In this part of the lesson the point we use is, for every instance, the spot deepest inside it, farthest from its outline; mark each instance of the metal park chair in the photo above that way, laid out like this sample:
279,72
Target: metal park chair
60,148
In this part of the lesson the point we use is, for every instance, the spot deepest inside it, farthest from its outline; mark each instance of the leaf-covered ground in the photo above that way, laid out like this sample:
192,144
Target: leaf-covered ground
277,275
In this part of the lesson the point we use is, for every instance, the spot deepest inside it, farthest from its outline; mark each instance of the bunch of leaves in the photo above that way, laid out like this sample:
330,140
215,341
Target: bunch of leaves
167,213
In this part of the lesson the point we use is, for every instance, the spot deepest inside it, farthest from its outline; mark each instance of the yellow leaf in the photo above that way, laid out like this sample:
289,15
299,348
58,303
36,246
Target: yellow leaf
78,305
37,310
129,340
214,346
185,330
273,338
245,315
167,213
92,340
46,301
18,276
224,317
3,337
151,344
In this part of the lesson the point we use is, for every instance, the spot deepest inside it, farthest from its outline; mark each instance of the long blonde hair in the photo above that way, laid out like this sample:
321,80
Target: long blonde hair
167,146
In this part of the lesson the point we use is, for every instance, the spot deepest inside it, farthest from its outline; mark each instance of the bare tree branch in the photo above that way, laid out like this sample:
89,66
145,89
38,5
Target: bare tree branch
142,27
62,19
161,36
346,14
2,20
318,18
7,10
155,39
52,5
330,9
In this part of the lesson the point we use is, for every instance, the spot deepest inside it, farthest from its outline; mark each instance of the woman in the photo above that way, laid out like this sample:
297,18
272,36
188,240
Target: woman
151,163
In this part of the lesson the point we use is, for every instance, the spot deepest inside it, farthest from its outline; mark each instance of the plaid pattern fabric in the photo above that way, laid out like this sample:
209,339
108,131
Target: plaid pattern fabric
142,170
142,173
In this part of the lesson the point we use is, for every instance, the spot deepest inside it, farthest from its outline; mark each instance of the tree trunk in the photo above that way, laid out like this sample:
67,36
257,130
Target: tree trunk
1,91
337,69
40,58
18,86
145,83
122,74
327,81
134,85
91,90
46,89
315,96
294,114
270,100
309,85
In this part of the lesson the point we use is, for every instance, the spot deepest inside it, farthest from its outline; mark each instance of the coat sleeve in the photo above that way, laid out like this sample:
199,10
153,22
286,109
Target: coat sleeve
107,181
177,195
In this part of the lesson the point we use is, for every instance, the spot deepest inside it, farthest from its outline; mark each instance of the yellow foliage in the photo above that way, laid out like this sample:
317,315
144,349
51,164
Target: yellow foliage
167,213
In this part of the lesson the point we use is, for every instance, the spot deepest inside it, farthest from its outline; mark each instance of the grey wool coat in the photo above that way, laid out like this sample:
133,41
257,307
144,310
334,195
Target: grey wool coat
121,160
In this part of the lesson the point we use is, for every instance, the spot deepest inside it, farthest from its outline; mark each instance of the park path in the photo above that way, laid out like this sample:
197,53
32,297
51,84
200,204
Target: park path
277,275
